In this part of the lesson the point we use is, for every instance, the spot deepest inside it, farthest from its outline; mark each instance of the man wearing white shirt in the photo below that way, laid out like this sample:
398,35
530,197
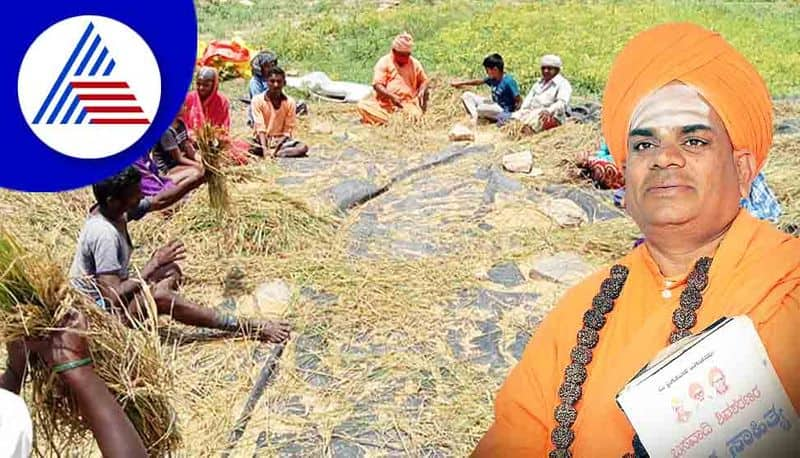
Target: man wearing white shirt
546,104
16,429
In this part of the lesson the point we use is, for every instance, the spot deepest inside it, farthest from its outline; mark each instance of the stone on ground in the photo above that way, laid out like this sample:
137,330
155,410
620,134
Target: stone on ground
518,162
461,133
564,212
566,267
270,299
506,274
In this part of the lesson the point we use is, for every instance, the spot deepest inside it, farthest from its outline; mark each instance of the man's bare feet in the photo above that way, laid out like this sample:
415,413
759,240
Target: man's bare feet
270,331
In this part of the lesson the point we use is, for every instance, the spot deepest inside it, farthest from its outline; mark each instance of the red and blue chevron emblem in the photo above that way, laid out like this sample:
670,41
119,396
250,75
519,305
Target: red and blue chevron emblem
87,91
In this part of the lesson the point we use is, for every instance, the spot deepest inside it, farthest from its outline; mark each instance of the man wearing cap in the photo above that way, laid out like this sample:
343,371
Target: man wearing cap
400,83
689,121
546,104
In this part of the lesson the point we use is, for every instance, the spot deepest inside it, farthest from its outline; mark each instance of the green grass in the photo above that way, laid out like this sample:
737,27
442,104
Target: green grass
344,39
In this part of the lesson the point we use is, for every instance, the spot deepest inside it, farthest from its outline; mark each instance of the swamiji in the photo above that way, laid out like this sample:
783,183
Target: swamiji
689,121
400,84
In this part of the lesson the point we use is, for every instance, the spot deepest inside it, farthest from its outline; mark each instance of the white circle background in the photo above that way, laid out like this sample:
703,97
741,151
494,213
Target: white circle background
43,63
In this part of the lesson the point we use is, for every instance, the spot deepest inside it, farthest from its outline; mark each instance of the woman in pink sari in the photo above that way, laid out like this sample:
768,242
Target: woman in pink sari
206,103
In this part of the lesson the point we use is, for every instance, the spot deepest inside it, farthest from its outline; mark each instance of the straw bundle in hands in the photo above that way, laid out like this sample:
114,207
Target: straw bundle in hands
34,297
212,143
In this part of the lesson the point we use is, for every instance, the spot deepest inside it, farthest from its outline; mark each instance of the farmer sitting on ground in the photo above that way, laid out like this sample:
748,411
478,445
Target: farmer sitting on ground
101,266
206,104
66,353
690,119
545,106
505,92
275,119
260,66
175,155
400,83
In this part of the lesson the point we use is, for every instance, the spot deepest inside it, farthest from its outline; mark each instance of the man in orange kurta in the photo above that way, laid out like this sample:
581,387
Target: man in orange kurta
690,122
400,84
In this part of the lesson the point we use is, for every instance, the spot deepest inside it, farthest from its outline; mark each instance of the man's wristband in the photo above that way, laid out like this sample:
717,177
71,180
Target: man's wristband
61,368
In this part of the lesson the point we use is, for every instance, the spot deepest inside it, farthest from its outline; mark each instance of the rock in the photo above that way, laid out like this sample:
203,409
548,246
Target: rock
461,133
506,274
564,212
518,162
322,128
592,202
272,298
535,172
567,268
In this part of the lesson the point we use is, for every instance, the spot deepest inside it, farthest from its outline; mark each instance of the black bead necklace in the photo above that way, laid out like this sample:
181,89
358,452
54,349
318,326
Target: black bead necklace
570,391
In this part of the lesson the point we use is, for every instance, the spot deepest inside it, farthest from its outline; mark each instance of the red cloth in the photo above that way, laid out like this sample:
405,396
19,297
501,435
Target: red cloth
215,109
220,51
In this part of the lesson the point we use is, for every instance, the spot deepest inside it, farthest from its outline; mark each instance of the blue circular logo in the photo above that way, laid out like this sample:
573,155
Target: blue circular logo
97,84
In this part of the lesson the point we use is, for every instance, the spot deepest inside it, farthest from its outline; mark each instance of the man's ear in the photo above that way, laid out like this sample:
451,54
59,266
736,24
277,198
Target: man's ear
745,163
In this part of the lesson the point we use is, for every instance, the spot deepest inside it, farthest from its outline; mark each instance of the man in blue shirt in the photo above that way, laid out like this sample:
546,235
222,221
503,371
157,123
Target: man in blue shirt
505,92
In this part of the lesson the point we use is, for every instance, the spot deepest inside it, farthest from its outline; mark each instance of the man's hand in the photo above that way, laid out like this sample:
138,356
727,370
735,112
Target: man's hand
396,101
456,84
422,97
543,115
165,287
170,253
65,344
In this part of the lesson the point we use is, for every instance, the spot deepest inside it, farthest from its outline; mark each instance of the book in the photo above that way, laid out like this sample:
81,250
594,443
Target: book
713,394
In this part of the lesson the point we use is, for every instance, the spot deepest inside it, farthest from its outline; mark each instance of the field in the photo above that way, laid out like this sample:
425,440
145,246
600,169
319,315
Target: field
409,309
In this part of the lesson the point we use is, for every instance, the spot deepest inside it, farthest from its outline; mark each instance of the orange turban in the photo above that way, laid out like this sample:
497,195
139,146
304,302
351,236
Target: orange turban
403,42
697,57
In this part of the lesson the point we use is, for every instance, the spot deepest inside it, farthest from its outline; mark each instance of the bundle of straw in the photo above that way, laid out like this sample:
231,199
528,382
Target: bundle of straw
212,143
34,297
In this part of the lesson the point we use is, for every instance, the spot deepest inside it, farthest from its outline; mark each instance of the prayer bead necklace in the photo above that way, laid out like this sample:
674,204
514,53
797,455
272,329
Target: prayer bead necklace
683,318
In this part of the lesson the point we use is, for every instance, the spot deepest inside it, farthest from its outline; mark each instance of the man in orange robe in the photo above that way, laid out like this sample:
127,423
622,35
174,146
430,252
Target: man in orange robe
690,122
400,83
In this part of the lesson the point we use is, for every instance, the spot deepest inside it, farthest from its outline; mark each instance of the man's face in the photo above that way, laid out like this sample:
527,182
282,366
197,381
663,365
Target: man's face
549,73
275,83
681,167
401,58
128,201
204,87
494,73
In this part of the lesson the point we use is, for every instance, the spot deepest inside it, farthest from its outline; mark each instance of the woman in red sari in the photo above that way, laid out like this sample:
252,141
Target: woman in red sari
206,103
